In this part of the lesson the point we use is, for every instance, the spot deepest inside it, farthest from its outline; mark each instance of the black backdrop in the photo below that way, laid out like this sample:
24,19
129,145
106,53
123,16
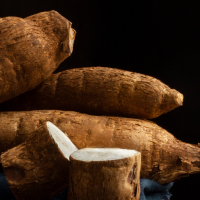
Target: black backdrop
159,38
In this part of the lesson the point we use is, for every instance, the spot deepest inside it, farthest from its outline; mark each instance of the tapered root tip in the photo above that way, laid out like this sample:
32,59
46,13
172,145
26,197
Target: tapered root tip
72,34
178,97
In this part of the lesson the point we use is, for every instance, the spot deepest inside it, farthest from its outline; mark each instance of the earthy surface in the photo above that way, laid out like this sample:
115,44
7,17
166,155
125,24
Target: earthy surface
104,174
31,49
164,158
36,169
100,91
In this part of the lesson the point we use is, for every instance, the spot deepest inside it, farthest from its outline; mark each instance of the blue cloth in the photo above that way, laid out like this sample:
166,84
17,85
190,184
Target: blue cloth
150,190
5,191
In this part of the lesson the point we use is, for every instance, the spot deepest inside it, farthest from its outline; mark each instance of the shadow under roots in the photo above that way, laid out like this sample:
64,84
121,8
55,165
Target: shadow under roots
1,169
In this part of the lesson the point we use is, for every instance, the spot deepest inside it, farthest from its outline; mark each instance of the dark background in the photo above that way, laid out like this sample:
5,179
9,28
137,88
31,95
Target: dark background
158,38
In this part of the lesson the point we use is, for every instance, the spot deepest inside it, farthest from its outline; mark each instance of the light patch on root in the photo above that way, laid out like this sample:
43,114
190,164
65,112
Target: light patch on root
64,143
102,154
179,99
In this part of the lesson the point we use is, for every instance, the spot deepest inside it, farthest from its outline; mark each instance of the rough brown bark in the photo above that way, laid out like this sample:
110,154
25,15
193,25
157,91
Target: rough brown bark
36,169
31,49
164,157
102,177
100,91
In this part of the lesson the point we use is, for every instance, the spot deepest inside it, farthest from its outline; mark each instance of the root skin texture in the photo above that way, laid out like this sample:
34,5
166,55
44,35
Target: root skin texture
107,173
31,49
37,168
164,157
100,91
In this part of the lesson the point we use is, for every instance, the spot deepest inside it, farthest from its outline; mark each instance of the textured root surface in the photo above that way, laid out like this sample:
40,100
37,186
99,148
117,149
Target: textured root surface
164,158
100,91
31,49
104,174
37,168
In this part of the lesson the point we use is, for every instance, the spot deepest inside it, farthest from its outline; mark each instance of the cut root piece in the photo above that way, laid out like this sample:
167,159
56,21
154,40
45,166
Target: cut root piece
38,168
104,173
63,142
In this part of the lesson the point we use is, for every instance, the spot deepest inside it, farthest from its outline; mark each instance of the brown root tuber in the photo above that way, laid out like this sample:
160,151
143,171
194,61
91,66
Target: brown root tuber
164,158
100,91
31,49
39,167
107,173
